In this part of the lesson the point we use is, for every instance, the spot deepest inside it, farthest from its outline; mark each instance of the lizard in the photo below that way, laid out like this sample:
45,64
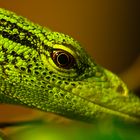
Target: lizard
52,72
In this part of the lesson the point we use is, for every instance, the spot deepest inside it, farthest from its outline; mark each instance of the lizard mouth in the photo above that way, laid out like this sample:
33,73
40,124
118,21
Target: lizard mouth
114,112
112,99
90,107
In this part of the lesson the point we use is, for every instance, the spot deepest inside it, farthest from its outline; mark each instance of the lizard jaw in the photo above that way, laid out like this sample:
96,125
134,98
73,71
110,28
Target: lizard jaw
112,97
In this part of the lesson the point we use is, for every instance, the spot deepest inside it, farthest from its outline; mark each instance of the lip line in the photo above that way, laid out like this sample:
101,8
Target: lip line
134,118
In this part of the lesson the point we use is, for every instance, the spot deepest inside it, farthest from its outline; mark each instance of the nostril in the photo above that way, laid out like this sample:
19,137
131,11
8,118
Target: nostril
120,89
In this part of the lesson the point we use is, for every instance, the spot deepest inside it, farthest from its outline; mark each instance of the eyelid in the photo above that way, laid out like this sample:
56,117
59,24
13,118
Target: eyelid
65,48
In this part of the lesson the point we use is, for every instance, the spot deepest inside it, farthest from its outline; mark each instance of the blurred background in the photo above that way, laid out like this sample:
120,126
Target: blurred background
108,30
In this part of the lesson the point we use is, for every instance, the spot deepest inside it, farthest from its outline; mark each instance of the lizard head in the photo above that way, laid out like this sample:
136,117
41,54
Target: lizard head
50,71
80,88
60,77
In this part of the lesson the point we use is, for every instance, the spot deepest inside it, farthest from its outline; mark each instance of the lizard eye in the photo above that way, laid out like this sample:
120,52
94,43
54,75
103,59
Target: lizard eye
63,59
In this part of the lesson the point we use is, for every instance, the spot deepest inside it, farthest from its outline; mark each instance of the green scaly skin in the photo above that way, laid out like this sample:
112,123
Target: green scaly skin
29,75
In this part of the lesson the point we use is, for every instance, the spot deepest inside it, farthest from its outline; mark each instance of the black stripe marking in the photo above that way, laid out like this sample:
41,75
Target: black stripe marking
28,38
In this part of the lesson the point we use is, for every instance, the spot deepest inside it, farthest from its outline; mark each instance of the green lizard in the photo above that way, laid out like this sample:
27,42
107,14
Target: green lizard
50,71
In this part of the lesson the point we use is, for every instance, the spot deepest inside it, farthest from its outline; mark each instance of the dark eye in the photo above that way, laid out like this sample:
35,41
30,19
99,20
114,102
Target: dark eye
63,59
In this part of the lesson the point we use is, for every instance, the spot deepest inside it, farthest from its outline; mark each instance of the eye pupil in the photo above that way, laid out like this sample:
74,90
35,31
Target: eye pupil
63,59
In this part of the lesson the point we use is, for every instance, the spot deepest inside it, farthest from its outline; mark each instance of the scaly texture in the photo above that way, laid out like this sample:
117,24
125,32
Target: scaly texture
50,71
